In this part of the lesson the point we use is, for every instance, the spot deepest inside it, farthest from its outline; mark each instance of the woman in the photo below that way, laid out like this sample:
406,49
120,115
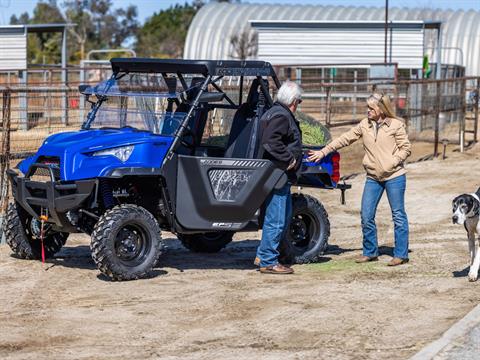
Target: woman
386,145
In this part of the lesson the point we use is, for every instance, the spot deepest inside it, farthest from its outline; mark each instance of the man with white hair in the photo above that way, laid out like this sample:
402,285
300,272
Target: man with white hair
281,143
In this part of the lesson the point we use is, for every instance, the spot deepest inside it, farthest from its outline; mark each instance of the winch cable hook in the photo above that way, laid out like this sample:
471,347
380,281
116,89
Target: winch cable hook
43,219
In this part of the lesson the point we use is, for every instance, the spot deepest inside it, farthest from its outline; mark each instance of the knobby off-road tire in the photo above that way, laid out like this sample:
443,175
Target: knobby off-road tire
211,242
308,233
126,242
22,235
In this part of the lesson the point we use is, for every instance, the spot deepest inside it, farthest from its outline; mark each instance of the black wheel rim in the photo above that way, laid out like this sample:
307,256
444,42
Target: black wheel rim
303,228
33,228
132,244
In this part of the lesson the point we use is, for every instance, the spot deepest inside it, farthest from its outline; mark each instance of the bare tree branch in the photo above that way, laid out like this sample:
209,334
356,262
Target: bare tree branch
244,45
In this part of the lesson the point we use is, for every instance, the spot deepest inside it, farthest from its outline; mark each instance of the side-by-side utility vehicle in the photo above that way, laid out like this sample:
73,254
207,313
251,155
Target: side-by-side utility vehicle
168,145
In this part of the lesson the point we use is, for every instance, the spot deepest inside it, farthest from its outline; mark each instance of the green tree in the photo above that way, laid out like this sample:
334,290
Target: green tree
98,26
43,48
164,33
21,20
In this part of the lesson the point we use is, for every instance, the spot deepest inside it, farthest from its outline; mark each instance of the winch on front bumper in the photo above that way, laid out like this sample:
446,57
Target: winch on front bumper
55,196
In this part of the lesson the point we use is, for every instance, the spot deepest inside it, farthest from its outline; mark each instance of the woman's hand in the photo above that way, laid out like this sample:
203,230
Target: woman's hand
315,156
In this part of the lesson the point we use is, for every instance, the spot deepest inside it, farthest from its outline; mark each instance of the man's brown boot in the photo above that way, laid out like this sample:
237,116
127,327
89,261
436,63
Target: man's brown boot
276,269
363,259
397,261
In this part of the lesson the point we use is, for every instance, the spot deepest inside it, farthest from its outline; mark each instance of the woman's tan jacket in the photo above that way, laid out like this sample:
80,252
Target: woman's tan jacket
385,150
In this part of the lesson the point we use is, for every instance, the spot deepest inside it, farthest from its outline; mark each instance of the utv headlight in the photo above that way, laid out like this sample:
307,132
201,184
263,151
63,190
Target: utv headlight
122,153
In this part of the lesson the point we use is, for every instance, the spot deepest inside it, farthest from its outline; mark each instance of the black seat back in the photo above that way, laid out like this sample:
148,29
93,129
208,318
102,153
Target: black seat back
240,132
243,141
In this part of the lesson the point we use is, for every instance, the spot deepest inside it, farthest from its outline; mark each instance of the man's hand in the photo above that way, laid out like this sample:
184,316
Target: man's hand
292,164
315,156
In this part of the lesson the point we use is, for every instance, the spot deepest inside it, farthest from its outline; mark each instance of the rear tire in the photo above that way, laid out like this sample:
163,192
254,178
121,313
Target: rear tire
22,234
126,242
308,233
210,242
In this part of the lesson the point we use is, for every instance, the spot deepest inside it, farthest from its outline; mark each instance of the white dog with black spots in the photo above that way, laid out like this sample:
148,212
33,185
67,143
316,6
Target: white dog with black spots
466,208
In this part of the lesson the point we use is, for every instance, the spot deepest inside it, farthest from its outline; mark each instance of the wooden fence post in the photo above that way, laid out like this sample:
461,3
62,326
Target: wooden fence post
476,104
328,109
407,107
4,159
437,117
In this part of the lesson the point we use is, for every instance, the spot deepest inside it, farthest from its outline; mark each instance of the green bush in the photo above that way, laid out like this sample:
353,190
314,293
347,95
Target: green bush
313,133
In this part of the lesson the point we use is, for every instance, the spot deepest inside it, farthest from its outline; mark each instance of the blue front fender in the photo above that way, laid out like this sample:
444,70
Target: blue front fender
75,151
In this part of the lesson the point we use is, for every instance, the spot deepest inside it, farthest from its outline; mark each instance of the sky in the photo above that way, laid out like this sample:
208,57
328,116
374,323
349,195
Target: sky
147,7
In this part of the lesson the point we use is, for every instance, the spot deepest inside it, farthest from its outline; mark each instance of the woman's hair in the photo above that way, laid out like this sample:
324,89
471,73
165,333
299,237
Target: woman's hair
288,93
383,102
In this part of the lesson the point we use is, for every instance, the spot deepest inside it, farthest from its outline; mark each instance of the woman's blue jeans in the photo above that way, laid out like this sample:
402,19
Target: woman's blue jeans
278,212
372,194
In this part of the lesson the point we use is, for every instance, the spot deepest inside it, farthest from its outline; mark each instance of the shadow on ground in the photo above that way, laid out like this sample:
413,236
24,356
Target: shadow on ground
461,273
237,255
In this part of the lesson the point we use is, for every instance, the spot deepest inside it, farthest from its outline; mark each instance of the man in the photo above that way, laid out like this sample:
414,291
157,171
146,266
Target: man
281,142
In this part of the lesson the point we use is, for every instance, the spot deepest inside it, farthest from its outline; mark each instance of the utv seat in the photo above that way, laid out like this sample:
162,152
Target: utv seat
240,139
244,141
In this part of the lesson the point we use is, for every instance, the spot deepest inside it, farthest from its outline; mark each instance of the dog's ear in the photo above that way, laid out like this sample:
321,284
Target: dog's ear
477,192
475,207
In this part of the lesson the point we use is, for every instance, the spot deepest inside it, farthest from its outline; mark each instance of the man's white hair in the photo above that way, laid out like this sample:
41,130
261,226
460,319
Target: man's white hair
289,92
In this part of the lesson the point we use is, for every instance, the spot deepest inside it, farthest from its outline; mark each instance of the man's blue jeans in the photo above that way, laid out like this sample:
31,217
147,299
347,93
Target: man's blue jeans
278,212
372,194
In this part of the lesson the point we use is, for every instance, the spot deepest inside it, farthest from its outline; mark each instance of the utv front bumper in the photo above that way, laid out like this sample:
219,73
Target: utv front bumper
54,196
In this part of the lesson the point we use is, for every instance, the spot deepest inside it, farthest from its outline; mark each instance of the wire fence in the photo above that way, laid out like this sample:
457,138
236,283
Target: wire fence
432,109
435,111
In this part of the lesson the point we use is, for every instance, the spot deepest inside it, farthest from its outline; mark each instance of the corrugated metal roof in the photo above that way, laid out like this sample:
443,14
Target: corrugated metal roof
212,28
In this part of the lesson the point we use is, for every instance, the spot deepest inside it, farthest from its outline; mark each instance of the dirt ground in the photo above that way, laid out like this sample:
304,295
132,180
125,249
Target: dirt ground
219,306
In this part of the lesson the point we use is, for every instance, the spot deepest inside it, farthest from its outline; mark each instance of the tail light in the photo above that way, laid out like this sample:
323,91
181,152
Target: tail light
336,167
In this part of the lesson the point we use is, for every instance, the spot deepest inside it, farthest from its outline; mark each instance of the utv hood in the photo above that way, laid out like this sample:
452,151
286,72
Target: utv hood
74,152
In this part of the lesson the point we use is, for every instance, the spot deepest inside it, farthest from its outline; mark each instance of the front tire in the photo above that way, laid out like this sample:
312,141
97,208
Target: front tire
126,242
308,233
22,234
211,242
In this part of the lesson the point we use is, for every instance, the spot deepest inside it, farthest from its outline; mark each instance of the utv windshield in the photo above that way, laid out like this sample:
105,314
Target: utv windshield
148,102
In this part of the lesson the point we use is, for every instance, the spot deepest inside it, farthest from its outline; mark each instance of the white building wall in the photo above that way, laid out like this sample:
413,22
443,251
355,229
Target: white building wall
13,48
291,43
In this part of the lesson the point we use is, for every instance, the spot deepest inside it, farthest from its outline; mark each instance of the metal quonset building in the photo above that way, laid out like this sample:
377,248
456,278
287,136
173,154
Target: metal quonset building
214,25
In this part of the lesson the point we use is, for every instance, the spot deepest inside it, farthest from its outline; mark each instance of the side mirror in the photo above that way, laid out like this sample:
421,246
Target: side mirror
208,97
82,88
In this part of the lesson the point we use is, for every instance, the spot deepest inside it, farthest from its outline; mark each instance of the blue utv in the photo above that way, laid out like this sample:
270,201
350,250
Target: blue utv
151,156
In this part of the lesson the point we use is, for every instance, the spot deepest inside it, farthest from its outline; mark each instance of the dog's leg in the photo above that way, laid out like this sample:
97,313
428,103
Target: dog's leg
471,247
473,273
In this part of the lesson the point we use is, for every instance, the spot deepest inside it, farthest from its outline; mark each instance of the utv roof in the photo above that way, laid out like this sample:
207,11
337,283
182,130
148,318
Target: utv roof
204,67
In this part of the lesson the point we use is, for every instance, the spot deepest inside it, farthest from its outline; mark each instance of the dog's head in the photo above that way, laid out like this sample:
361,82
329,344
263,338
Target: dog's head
464,206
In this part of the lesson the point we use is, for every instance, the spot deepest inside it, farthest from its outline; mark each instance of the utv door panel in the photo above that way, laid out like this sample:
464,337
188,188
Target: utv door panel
218,193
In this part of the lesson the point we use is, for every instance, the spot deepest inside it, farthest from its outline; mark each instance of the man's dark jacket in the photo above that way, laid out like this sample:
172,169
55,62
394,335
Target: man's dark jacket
281,138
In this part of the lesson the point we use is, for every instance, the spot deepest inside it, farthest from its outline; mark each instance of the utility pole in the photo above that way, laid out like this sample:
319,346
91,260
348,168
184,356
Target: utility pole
386,29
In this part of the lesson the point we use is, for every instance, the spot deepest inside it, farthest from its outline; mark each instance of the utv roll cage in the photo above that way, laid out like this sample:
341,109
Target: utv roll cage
204,67
211,71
